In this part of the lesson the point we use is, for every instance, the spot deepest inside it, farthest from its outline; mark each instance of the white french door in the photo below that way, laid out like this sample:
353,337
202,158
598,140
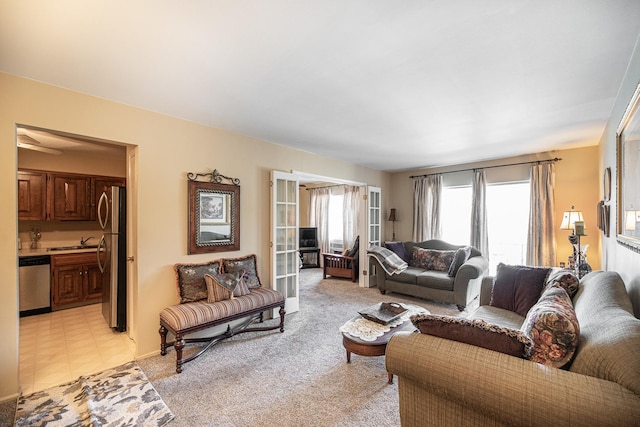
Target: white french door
373,229
284,238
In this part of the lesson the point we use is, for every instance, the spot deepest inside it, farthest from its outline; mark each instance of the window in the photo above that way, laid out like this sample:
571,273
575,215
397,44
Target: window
507,215
456,215
335,222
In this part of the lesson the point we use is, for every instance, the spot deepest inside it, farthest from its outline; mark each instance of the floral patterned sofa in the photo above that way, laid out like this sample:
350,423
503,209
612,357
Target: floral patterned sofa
436,270
571,359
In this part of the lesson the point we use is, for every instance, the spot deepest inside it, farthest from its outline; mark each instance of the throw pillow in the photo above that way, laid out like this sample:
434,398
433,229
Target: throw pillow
190,278
248,264
553,327
355,248
241,288
220,288
460,257
431,259
566,279
475,332
399,249
517,288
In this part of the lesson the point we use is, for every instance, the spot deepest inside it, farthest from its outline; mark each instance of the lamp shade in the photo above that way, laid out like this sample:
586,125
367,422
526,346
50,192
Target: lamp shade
392,215
569,218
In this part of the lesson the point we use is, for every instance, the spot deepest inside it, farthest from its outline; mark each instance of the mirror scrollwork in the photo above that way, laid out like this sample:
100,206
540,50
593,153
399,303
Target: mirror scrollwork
628,153
214,212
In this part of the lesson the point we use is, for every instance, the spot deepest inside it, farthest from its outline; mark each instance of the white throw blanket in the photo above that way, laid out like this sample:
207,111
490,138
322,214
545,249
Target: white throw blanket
390,262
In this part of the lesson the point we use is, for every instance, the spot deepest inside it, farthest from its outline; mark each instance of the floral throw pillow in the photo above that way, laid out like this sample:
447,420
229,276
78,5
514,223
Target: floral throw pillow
553,326
565,279
432,259
248,264
190,278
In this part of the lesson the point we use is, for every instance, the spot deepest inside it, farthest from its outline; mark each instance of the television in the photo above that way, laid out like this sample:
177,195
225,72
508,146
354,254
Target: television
308,237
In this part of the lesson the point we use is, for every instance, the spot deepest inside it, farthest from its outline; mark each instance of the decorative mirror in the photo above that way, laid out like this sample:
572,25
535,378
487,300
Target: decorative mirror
214,213
628,153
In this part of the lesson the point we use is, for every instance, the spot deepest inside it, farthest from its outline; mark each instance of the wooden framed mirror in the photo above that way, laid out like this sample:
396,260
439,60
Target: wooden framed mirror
214,213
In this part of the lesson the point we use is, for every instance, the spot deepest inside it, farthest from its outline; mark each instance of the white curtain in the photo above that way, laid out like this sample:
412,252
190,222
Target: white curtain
319,215
541,240
479,228
350,219
427,192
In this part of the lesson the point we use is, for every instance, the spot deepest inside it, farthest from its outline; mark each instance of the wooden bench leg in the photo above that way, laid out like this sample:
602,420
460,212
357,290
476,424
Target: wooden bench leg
163,340
282,313
179,345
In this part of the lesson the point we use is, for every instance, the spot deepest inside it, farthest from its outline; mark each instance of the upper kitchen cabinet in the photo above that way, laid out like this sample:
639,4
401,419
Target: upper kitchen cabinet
32,195
70,197
59,196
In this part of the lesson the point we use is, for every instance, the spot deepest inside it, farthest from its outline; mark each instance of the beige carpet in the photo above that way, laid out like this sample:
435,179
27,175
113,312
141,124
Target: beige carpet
298,378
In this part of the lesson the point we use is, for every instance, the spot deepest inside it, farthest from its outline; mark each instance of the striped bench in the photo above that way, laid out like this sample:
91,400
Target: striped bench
183,319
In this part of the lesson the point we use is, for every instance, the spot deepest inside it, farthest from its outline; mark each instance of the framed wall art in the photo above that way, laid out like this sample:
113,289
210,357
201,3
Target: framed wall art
628,158
214,213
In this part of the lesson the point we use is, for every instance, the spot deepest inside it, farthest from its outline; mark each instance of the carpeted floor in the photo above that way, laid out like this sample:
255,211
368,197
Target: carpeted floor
298,378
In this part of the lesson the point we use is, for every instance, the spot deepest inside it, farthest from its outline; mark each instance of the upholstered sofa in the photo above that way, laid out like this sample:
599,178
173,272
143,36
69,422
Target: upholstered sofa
447,382
459,288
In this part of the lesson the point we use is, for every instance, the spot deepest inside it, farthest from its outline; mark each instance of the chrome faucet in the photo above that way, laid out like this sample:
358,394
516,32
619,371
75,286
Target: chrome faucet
84,241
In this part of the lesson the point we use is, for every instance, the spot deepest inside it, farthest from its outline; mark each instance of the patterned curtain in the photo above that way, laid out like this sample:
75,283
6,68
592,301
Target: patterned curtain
479,228
541,240
427,192
319,215
351,208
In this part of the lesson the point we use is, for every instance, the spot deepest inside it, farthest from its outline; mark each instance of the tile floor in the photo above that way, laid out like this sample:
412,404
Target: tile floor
58,347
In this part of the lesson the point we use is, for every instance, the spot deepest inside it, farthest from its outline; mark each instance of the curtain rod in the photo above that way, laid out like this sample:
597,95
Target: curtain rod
555,159
325,186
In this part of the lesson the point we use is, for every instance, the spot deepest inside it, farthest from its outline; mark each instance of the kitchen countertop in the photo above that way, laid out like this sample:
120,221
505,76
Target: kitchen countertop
25,252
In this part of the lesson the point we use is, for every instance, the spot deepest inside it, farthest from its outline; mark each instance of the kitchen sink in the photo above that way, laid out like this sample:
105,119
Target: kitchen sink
70,248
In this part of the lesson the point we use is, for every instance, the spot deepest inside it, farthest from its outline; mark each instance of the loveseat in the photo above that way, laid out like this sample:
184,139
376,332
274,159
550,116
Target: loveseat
459,285
446,382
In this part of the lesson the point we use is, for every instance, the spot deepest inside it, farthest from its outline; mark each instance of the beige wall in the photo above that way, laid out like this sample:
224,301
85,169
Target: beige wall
577,183
167,148
615,256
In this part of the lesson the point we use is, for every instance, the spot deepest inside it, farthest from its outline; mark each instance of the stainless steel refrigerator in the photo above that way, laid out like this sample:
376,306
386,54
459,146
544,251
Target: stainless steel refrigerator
112,256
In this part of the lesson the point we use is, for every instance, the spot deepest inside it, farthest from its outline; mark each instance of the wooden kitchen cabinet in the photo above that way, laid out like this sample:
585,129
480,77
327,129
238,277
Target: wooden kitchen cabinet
32,195
70,197
45,195
75,280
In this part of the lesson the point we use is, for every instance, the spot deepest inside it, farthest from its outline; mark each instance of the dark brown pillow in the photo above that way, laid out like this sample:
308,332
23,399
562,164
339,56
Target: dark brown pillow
475,332
190,278
248,264
518,288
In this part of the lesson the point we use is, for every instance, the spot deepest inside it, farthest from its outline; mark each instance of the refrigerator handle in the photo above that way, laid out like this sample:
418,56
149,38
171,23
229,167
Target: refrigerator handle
101,244
105,200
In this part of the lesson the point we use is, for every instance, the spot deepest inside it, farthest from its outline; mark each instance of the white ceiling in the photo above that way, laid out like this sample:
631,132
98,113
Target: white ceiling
385,84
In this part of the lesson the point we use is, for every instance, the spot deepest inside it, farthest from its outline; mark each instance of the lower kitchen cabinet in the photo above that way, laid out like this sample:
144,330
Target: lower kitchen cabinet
75,280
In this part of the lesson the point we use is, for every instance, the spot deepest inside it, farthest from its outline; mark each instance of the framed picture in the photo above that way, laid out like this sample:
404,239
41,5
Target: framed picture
214,217
628,157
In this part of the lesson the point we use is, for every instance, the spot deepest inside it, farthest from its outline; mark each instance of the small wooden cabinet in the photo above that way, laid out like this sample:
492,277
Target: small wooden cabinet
32,195
44,195
70,197
75,280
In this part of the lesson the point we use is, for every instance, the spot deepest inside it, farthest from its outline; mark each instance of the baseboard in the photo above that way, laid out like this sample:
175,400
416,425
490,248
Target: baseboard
10,398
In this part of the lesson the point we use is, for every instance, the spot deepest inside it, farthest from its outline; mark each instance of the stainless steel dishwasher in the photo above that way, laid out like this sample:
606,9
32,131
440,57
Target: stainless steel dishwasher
35,284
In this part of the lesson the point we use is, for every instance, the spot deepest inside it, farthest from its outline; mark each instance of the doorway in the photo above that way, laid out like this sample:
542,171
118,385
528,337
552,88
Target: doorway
61,345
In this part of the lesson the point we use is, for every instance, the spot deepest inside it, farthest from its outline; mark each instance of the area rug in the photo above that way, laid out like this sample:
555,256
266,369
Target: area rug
122,396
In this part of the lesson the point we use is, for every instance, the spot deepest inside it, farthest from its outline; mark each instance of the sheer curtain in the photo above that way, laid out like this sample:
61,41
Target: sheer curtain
427,191
541,240
479,228
351,208
319,215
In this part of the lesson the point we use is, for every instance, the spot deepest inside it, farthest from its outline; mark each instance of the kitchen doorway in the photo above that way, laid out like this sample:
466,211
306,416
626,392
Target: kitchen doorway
60,345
